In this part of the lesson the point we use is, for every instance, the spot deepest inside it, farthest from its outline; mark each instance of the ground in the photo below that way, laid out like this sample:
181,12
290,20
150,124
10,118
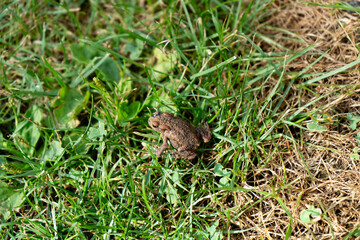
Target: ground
277,82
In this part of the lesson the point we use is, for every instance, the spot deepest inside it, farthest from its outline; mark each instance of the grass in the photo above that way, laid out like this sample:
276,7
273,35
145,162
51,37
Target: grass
80,80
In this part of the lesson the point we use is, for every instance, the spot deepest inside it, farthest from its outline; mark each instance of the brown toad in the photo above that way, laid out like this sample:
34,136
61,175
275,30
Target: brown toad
182,135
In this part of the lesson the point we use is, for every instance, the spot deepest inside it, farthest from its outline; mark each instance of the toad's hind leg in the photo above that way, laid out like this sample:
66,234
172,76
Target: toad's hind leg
204,132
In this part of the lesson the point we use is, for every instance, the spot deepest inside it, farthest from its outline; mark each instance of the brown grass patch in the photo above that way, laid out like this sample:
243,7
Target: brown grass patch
319,171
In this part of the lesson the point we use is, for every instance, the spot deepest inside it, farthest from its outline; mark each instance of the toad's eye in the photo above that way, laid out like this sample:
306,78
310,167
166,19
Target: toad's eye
156,114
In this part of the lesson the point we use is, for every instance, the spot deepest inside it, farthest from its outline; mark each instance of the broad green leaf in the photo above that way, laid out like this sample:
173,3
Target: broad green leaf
103,132
134,48
212,228
55,151
220,171
99,132
350,116
84,53
353,125
224,181
353,120
175,177
33,82
213,232
310,215
27,132
358,137
355,155
167,189
69,104
315,127
10,199
93,133
110,70
165,63
127,111
171,194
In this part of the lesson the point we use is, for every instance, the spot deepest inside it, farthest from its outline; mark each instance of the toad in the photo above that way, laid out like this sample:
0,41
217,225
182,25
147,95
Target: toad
182,135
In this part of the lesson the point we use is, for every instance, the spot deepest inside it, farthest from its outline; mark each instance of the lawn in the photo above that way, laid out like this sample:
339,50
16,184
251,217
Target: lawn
277,81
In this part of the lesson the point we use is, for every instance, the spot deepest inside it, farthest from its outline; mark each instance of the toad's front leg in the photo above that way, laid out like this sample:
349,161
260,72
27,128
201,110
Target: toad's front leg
163,146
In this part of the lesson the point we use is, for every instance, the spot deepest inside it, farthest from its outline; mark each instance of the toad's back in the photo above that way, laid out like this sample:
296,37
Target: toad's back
182,134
